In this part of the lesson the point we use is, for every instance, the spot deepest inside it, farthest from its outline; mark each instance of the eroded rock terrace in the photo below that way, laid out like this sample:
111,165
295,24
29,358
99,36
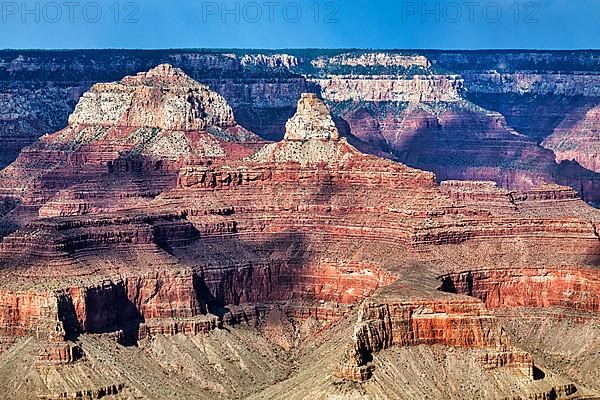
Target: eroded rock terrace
307,246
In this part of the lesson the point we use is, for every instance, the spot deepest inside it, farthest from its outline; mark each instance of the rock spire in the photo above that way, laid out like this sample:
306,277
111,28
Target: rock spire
311,121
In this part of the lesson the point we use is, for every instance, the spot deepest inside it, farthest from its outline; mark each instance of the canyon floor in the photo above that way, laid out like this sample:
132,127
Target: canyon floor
156,248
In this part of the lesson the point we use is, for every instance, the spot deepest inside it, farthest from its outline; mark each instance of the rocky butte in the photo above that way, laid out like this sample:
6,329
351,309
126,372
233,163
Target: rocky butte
477,115
301,269
311,121
124,143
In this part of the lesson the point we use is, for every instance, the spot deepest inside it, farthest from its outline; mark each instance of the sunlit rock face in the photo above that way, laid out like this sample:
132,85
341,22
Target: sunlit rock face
311,121
577,138
125,143
164,97
157,112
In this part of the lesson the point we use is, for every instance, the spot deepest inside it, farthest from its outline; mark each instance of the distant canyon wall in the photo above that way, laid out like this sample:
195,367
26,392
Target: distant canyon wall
462,115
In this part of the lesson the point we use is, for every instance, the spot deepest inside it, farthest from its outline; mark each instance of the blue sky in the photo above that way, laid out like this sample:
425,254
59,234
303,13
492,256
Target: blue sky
443,24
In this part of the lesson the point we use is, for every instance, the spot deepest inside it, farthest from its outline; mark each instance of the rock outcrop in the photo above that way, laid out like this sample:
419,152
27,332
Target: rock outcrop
574,289
394,320
163,97
576,138
426,88
385,98
125,141
155,109
306,252
311,121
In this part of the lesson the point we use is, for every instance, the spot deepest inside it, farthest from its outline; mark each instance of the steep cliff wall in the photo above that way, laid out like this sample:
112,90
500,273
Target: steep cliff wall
425,88
535,91
576,138
391,319
570,73
535,287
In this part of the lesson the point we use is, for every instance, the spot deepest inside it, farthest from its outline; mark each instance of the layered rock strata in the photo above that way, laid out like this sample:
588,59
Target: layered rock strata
420,88
395,320
574,289
124,143
305,238
535,91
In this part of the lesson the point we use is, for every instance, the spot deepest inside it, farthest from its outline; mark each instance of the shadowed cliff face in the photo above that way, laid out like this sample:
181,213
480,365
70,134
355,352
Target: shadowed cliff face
462,141
535,115
576,138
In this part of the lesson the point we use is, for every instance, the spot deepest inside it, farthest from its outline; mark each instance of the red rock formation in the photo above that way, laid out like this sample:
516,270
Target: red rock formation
543,200
60,353
455,323
308,227
456,141
396,320
124,143
577,289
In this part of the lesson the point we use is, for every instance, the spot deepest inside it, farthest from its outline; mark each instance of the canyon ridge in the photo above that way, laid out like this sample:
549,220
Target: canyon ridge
319,224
